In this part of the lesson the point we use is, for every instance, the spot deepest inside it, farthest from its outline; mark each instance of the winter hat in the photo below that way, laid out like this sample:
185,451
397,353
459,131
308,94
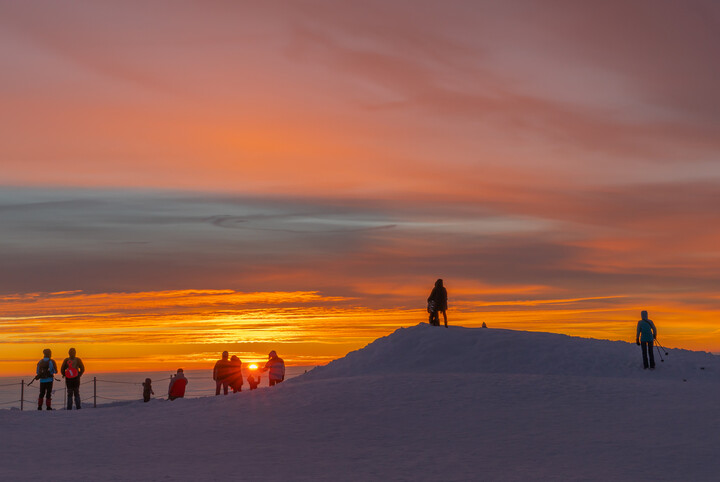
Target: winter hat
47,352
272,354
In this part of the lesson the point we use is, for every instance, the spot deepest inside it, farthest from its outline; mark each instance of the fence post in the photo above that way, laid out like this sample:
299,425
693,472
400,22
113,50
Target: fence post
94,392
22,394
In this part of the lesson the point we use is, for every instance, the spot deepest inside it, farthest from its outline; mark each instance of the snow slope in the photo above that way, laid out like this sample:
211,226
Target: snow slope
427,349
424,403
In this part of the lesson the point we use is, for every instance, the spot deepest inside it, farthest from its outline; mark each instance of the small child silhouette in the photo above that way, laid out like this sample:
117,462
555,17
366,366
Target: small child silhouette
253,383
147,390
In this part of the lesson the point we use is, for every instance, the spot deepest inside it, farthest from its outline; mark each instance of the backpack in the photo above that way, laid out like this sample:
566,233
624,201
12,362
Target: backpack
44,369
71,371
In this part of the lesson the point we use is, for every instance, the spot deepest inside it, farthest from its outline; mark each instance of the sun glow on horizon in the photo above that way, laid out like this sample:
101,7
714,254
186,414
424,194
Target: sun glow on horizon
190,328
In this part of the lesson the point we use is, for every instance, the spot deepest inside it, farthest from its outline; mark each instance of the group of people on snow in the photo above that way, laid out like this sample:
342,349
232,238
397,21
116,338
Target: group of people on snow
71,370
227,373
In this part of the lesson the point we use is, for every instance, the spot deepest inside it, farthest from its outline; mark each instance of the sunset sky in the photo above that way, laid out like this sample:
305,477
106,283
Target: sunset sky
183,178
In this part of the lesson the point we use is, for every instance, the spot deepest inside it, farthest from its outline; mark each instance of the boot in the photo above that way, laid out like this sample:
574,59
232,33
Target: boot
48,405
40,403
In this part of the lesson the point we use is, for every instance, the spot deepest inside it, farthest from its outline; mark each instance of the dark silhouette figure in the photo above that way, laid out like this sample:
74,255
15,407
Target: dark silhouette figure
437,302
276,366
176,389
147,390
45,372
221,372
235,376
645,335
253,382
72,369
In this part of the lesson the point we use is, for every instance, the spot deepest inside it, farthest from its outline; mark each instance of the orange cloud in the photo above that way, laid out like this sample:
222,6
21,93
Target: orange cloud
142,331
348,149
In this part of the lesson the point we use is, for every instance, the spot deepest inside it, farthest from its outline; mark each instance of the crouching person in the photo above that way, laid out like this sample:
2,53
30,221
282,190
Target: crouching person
254,382
177,385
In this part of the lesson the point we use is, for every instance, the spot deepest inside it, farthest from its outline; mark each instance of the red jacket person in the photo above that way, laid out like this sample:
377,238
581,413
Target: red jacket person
177,385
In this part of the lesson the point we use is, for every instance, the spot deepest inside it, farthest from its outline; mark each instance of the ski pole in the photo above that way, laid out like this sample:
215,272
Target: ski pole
660,354
664,349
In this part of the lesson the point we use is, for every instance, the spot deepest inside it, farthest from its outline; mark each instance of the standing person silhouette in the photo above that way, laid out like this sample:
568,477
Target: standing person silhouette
645,335
46,370
147,390
276,366
437,301
72,369
221,372
235,376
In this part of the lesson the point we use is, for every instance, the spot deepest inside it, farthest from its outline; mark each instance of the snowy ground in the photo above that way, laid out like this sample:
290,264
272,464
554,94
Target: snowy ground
424,403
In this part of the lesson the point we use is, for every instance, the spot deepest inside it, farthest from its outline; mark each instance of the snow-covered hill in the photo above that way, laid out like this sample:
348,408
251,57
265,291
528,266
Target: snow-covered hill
423,403
427,349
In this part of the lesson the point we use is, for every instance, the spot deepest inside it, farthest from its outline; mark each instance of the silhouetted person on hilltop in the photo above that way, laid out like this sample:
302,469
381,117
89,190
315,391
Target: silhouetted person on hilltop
276,366
45,372
221,372
437,301
176,389
645,335
72,369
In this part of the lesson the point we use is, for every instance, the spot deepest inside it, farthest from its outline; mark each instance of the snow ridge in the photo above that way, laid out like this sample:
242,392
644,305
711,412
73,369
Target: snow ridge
457,350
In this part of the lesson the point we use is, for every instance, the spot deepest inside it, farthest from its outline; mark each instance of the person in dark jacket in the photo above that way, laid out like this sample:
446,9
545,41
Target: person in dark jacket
437,301
644,336
276,366
221,372
147,390
45,372
176,389
72,369
235,376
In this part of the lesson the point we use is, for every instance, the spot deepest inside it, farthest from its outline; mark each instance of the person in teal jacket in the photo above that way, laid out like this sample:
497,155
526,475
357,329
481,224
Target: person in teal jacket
46,370
645,335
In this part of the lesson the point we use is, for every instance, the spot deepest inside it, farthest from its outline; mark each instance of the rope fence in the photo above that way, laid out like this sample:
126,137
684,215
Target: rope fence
20,403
